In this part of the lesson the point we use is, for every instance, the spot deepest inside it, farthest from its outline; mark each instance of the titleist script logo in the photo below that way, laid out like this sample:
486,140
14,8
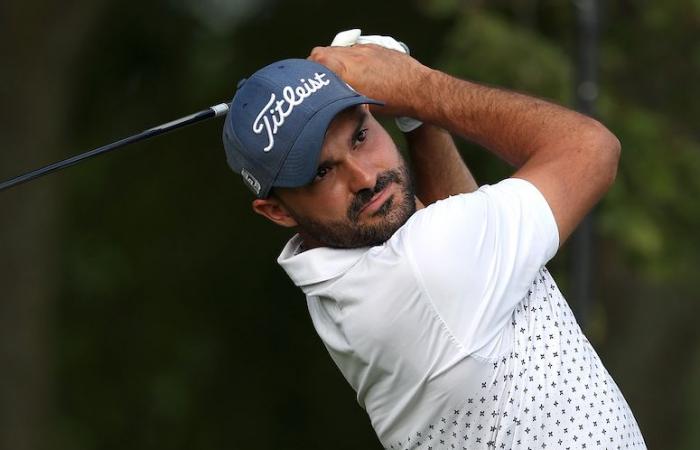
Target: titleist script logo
270,119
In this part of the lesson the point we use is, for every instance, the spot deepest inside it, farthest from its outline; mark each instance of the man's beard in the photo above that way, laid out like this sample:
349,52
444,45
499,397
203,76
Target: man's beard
350,233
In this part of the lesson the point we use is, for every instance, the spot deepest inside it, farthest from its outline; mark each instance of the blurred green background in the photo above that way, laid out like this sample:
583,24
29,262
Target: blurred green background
140,303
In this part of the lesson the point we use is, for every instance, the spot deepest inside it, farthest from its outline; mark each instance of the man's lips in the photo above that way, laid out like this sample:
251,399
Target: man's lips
376,201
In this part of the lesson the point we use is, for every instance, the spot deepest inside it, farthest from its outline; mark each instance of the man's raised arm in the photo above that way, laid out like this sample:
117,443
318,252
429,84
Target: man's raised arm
438,168
571,158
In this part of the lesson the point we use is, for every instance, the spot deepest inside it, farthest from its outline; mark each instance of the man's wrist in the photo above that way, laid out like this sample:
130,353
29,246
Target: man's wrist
421,98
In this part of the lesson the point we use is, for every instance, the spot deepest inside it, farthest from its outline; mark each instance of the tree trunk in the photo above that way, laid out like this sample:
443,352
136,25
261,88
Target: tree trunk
39,43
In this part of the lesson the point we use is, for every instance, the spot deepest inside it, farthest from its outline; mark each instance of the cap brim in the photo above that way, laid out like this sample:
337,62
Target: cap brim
300,167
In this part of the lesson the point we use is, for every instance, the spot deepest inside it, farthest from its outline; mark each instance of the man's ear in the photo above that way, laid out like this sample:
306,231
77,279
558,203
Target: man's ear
274,210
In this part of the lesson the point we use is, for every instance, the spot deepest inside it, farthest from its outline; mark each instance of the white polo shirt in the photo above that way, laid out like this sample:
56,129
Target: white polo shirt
454,335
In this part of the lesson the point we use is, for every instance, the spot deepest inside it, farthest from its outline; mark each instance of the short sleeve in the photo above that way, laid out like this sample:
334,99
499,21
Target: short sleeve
477,254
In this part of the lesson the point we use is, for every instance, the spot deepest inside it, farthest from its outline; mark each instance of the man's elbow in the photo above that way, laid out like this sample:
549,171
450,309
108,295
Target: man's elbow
607,149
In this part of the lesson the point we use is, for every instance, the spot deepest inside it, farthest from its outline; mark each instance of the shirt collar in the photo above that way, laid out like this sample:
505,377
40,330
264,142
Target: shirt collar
318,264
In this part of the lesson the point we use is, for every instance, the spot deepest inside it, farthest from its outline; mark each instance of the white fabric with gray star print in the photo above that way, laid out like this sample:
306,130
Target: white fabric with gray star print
455,336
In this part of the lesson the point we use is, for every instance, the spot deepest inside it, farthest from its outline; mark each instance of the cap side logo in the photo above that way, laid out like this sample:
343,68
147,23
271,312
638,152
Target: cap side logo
252,182
271,118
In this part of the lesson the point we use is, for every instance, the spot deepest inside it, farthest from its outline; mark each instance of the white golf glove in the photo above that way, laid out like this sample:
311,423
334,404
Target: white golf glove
351,37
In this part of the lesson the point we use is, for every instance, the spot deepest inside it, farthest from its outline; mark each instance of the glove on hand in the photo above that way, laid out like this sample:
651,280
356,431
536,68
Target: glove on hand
351,37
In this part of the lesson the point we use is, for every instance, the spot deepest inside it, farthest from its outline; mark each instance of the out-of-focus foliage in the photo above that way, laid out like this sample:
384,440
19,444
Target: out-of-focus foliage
651,64
170,324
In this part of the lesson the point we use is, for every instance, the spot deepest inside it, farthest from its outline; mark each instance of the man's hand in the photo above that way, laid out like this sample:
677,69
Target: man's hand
354,37
376,72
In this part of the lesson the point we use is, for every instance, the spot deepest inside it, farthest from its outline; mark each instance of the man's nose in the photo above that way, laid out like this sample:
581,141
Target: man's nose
361,175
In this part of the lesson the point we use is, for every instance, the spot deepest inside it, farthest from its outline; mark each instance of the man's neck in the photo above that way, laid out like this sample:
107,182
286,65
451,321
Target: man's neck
308,243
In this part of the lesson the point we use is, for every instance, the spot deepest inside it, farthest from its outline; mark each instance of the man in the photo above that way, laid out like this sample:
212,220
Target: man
434,304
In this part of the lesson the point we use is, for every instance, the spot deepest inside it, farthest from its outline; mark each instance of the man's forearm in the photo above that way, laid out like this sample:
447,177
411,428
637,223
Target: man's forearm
439,170
571,158
511,125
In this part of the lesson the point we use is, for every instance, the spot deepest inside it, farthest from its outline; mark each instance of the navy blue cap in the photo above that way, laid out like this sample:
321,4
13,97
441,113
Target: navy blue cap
277,122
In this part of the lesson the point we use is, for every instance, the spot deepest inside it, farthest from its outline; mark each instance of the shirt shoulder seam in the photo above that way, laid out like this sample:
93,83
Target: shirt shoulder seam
421,285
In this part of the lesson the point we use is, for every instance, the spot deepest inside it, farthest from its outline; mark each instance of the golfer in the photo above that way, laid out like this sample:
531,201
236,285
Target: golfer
429,292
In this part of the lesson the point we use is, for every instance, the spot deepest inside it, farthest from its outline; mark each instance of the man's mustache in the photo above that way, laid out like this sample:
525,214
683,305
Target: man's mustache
364,196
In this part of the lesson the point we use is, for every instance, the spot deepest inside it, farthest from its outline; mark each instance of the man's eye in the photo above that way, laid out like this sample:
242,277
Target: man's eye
322,172
361,135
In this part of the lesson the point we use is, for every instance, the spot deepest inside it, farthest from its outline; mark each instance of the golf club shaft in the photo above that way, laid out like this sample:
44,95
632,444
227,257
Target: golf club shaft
214,111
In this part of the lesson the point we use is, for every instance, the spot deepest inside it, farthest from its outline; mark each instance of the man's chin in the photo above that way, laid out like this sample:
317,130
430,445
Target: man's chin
369,233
